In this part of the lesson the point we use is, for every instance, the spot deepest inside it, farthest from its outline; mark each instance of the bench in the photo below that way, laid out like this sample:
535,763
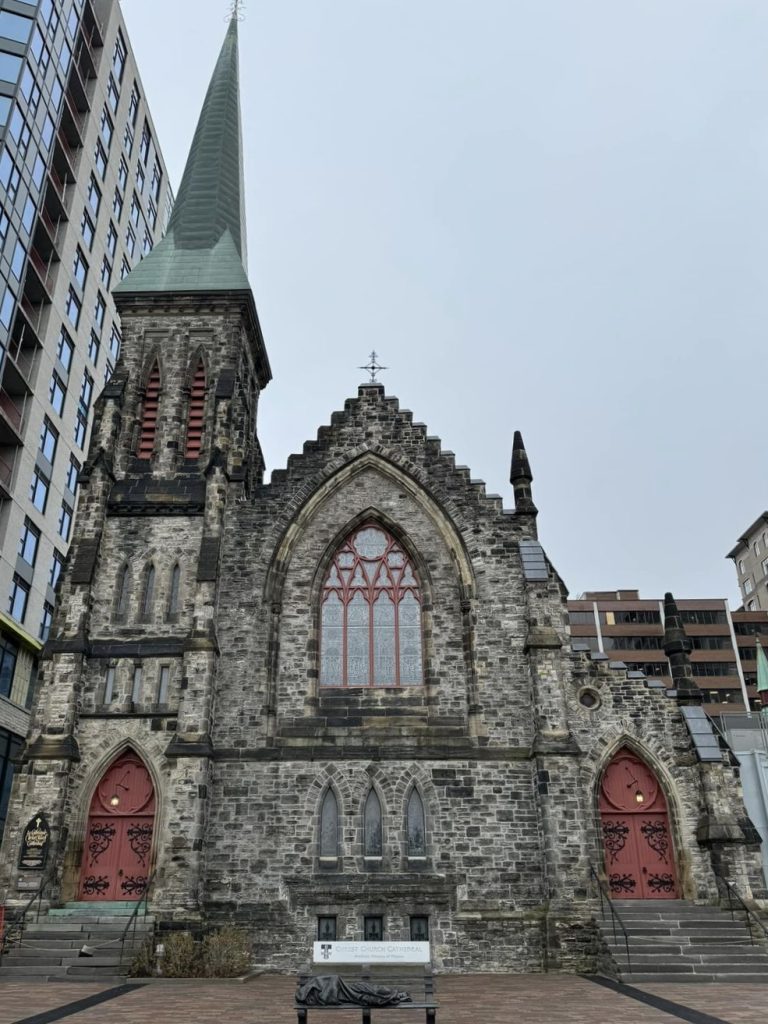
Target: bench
402,966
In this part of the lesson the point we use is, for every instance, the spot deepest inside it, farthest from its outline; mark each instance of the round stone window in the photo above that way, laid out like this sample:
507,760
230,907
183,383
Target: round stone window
589,699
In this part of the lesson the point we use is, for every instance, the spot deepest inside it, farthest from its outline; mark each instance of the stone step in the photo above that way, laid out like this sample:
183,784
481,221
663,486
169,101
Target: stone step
41,972
56,961
728,951
85,934
65,946
650,976
755,960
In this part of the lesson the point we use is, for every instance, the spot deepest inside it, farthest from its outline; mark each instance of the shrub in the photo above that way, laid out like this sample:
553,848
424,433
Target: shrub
181,956
226,953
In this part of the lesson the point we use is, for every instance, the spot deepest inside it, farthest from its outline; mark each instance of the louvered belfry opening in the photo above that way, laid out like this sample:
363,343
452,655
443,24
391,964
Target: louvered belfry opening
149,415
196,413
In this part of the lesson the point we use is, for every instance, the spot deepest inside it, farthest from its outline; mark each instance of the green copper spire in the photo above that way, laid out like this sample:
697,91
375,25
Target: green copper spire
205,245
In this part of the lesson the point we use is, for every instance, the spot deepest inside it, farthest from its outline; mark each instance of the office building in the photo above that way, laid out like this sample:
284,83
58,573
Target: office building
750,556
618,624
83,195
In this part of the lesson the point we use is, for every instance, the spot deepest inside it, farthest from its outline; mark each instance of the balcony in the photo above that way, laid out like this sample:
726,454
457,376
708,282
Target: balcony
91,25
71,125
6,472
56,197
11,417
38,283
14,380
46,237
78,90
64,160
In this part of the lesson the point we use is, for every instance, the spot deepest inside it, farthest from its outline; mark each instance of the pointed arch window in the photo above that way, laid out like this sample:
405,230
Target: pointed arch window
329,827
173,590
370,629
415,824
149,414
123,590
372,826
149,592
196,413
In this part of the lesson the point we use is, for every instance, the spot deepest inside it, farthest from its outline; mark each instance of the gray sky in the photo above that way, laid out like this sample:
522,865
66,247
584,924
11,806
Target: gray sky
548,215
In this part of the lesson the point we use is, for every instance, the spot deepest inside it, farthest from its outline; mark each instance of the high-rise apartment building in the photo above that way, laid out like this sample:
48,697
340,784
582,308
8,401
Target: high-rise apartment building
750,556
84,194
622,627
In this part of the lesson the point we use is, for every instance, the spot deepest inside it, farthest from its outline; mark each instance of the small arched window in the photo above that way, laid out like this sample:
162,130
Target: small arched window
372,826
123,591
415,824
196,413
329,826
370,632
148,599
173,590
149,414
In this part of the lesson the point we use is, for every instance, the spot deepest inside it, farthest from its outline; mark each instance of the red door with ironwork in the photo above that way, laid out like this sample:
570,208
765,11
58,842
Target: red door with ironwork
639,858
118,840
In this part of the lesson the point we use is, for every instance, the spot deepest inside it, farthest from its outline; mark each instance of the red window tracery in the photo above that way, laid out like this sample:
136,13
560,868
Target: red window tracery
196,416
370,630
149,415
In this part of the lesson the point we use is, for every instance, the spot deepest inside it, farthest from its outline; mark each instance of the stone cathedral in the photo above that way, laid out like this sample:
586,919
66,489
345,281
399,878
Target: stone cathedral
343,701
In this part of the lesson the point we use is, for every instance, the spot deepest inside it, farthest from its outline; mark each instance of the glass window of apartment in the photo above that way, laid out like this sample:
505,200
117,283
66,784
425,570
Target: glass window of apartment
748,585
135,210
65,56
9,175
99,311
5,109
17,263
108,371
113,94
30,89
141,178
49,438
128,140
28,217
48,130
65,350
88,229
118,58
38,171
130,240
57,564
86,390
117,205
106,127
17,604
10,66
80,267
147,243
15,26
81,429
764,566
106,272
94,345
65,521
73,21
73,307
29,543
7,307
133,107
112,239
125,269
94,195
57,392
73,474
57,93
122,174
45,622
100,158
50,16
114,343
146,142
20,132
157,178
4,225
152,214
38,493
40,52
9,652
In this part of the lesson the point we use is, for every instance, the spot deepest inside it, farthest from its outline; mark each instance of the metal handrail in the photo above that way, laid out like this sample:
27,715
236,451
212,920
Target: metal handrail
733,895
21,918
133,919
605,897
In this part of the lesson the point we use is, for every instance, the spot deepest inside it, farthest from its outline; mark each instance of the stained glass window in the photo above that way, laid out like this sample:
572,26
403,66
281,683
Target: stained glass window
372,842
417,841
329,826
371,614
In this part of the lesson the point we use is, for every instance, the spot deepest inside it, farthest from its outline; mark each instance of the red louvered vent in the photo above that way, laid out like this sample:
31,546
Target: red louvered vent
149,415
196,413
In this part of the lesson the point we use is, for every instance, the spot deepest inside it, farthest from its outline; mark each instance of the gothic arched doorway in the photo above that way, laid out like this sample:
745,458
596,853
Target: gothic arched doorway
118,838
637,841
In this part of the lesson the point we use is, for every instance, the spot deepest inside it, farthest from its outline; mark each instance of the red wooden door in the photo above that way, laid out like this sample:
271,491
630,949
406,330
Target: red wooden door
636,836
118,839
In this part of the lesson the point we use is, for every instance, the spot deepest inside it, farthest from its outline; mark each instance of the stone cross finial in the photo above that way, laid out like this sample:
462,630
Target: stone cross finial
236,10
373,367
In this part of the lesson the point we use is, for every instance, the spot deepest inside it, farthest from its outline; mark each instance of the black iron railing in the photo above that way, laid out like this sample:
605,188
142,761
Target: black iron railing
605,900
134,918
16,922
737,905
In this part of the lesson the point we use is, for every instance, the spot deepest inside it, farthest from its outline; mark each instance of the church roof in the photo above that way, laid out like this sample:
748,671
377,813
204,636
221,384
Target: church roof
204,248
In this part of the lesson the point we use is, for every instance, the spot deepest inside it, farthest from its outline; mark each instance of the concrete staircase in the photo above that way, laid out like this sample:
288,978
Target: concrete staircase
677,941
51,947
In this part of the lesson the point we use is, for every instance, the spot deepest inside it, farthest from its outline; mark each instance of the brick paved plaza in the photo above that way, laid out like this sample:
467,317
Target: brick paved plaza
476,999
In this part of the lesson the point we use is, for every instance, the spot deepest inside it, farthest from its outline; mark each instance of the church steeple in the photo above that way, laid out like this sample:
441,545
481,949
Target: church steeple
204,249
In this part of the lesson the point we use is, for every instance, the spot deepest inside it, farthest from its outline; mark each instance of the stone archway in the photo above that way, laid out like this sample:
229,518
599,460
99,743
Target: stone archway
637,840
119,832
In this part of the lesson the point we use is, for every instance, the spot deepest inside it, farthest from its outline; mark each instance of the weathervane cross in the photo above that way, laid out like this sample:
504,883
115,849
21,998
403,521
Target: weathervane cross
373,367
237,9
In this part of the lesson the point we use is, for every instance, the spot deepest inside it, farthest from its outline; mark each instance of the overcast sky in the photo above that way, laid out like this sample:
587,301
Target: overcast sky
548,215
